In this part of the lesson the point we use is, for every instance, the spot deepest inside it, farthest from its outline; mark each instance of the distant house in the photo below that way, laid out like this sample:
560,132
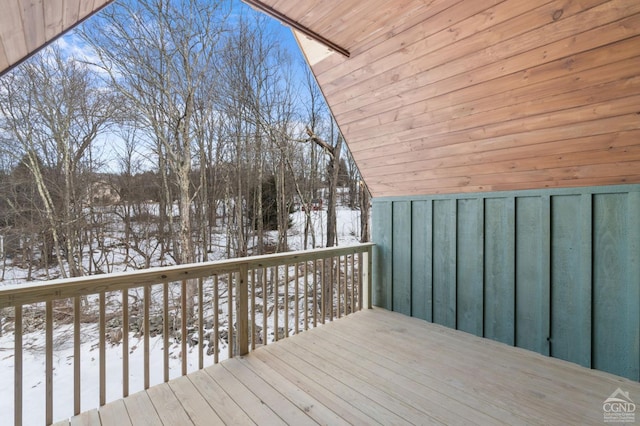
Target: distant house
102,193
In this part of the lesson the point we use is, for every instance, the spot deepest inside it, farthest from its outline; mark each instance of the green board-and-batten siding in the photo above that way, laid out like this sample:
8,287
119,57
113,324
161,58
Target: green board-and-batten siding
553,271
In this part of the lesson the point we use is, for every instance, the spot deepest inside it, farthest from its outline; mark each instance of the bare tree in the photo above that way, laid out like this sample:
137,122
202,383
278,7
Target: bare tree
159,54
333,152
54,109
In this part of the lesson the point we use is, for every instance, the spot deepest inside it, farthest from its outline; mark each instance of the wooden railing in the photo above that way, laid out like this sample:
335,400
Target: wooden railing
236,305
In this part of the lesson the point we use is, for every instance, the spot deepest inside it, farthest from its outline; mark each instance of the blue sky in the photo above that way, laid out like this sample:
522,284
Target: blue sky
74,46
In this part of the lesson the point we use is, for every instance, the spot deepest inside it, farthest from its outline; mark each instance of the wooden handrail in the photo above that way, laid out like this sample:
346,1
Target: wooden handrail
24,294
340,284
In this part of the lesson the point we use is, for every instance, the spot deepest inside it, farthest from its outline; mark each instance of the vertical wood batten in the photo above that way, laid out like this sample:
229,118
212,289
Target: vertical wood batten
469,261
532,273
587,277
306,295
17,369
315,293
444,262
286,300
216,320
184,311
274,288
354,291
200,323
254,328
230,334
165,331
634,278
345,275
323,302
616,317
49,362
265,311
382,218
571,278
332,265
296,299
421,259
102,350
242,314
125,342
499,269
339,290
367,279
76,355
145,322
401,257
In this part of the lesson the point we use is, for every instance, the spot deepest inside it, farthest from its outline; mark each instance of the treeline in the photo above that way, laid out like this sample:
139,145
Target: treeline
181,118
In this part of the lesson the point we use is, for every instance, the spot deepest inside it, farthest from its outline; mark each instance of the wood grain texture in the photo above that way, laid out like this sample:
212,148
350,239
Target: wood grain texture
553,271
499,269
444,262
402,257
571,278
469,264
430,88
615,318
422,260
27,25
426,374
532,272
382,216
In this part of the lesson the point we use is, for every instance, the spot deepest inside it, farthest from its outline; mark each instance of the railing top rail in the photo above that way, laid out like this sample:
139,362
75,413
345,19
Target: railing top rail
23,294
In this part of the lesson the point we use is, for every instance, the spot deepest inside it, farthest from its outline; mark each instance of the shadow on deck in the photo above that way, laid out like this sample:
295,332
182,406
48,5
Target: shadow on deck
376,367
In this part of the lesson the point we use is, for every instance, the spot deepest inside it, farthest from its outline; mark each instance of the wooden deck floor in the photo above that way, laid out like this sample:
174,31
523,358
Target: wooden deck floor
376,367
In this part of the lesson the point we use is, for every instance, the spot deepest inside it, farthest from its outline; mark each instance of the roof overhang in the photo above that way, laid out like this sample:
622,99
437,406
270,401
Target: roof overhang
451,96
28,25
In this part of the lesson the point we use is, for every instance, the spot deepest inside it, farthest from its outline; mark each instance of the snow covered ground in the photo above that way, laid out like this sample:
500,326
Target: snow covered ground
33,347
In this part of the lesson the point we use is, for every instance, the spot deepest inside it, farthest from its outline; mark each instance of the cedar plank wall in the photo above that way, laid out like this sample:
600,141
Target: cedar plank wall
469,96
27,25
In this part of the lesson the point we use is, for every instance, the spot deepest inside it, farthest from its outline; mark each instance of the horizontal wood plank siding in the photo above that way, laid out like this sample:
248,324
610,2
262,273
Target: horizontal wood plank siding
27,25
554,271
461,96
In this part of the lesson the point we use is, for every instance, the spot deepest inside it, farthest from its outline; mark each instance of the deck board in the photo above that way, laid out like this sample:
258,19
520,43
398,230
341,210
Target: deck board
378,367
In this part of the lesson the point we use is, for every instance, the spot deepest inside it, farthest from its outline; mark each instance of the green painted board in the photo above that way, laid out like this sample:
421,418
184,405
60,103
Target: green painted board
633,277
444,262
402,257
555,271
421,259
381,224
532,273
615,292
571,278
499,269
469,263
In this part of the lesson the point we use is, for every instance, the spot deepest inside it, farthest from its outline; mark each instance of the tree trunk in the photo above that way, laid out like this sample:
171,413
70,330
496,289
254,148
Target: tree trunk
333,171
365,204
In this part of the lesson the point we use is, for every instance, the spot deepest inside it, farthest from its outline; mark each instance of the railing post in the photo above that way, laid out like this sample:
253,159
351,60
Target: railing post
242,315
366,279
